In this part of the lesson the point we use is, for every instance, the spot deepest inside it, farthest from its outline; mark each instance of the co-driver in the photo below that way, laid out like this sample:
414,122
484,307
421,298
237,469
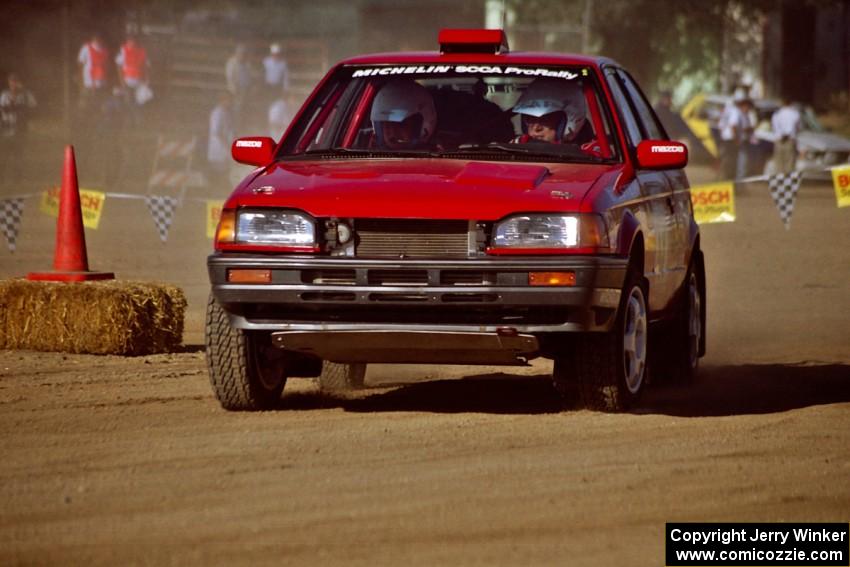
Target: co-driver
555,111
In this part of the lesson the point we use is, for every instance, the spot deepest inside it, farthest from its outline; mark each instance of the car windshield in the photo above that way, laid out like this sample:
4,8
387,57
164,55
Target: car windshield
475,111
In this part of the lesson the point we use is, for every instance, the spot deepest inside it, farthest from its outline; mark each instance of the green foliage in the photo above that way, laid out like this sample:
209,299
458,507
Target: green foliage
663,43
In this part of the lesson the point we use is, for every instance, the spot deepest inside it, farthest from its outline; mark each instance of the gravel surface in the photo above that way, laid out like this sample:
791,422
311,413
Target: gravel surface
110,460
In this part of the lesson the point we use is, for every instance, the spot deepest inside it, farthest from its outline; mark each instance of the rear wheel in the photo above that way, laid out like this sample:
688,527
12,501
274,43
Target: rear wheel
608,370
246,371
338,377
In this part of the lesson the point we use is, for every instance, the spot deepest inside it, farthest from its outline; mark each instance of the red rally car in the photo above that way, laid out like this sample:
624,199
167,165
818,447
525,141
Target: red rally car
466,206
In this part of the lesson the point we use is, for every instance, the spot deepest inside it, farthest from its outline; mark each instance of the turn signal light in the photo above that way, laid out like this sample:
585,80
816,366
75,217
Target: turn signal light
249,276
226,231
554,279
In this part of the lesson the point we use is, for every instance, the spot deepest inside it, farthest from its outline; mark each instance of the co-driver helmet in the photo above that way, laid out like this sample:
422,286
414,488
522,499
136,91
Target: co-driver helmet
545,96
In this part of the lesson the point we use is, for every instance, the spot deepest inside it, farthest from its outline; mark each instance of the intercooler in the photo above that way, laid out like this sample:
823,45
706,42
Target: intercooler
411,238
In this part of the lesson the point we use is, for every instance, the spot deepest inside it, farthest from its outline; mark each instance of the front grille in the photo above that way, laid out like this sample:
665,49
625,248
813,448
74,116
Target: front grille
328,277
398,277
467,277
411,238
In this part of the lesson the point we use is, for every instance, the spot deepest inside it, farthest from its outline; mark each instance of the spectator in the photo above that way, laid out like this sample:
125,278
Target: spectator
786,125
281,112
92,61
16,102
133,65
276,72
735,130
221,136
746,141
239,79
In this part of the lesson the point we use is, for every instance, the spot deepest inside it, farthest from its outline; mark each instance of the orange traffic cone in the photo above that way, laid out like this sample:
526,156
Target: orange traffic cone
70,261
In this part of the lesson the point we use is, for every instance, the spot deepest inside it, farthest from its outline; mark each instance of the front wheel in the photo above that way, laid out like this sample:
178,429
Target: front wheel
246,371
689,331
608,370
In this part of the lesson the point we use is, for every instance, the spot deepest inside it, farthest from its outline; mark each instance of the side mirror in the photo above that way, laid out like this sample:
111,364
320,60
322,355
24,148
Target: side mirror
662,154
253,151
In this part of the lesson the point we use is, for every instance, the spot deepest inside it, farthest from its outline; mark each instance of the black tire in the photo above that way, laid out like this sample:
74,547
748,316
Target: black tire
339,377
247,373
688,329
608,370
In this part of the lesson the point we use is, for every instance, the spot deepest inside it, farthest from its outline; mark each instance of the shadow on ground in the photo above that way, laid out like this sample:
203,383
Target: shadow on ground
719,391
752,389
484,393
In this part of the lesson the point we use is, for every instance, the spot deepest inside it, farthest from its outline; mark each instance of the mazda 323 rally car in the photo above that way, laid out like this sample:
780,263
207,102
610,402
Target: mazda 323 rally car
468,206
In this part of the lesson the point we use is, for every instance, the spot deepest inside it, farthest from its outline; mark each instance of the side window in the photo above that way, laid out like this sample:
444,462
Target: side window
320,125
651,127
625,110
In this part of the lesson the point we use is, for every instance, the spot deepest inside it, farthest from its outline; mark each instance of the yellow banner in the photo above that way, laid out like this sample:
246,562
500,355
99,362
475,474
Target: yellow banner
714,202
91,203
841,180
213,214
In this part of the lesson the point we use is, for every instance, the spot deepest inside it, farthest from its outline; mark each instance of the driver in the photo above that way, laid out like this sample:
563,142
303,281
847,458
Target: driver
403,115
554,111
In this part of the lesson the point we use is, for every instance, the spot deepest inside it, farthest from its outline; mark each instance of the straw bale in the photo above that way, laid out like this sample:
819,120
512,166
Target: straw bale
96,317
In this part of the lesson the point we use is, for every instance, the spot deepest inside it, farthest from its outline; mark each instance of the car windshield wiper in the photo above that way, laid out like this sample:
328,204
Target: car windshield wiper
534,149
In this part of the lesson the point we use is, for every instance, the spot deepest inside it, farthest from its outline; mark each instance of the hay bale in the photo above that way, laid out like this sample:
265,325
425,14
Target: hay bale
95,317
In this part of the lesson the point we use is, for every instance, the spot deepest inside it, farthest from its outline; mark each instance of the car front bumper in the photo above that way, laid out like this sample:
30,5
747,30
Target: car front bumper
421,306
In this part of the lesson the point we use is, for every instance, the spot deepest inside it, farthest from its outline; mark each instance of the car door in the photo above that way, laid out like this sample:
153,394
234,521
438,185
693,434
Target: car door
677,181
656,208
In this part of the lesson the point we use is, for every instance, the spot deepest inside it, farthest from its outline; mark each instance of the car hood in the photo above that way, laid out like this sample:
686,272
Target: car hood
419,188
822,141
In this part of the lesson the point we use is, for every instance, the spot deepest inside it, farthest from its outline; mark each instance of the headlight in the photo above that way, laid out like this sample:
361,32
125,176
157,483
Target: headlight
550,232
276,228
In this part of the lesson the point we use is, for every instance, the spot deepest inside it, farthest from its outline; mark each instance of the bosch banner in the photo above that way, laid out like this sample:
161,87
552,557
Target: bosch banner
713,203
841,180
91,202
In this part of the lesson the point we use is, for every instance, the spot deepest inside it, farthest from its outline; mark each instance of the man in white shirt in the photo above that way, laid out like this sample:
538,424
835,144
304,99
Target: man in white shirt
93,60
275,75
736,129
728,125
276,71
786,126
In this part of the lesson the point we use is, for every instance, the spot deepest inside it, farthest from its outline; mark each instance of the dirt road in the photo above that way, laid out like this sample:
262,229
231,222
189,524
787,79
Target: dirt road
109,460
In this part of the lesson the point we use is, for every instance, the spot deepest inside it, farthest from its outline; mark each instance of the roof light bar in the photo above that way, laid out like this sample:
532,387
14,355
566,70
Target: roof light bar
473,41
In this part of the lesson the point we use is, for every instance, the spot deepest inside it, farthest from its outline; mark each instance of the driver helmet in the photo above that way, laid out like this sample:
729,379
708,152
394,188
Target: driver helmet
545,96
402,100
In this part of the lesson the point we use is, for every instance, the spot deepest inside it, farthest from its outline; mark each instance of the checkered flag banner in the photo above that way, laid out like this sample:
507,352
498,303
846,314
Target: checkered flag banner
162,211
11,211
783,188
